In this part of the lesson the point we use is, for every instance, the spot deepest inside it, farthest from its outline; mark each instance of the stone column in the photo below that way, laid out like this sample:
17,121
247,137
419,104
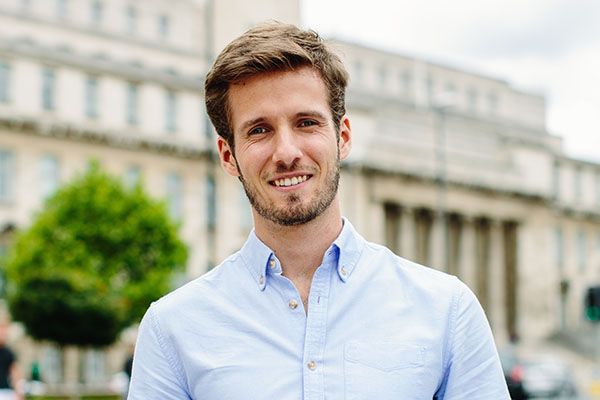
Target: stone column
407,233
454,243
497,295
423,227
392,226
376,222
438,248
512,282
482,261
71,367
467,271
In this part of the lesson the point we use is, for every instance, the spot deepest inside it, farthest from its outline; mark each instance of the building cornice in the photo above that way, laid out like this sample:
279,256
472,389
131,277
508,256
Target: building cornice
99,33
373,169
175,147
371,101
100,65
538,199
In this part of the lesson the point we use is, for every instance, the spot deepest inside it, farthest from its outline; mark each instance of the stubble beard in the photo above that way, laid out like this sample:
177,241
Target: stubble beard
295,212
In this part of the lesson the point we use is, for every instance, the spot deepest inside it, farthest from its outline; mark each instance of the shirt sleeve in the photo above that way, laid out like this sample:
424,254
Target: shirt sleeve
473,369
155,375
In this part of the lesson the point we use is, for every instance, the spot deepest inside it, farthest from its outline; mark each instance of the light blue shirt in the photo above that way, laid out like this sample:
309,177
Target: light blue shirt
378,327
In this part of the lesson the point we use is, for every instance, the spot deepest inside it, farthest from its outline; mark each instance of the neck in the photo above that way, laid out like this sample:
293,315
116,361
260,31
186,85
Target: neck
300,248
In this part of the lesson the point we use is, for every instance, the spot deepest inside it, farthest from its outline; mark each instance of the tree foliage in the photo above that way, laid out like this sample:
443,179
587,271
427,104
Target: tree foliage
92,261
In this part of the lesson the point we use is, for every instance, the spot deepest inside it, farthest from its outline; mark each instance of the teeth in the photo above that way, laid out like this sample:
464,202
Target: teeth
290,181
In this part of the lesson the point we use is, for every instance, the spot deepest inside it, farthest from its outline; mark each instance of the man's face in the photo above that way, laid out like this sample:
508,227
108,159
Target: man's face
287,151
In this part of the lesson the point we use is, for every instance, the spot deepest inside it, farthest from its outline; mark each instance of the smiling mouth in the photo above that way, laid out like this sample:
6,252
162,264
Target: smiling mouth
287,182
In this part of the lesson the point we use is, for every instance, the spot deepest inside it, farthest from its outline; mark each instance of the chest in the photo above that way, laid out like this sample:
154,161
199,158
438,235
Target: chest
341,349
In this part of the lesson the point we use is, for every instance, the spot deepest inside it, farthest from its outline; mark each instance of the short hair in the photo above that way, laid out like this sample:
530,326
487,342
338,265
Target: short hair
268,47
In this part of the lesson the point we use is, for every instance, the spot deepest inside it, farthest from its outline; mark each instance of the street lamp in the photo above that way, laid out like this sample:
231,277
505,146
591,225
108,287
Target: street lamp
441,104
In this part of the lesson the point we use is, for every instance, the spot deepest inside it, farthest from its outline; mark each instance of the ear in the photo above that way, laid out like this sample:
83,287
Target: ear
228,162
345,142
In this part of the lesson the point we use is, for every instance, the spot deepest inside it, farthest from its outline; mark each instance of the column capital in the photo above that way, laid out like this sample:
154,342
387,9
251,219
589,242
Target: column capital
407,210
468,219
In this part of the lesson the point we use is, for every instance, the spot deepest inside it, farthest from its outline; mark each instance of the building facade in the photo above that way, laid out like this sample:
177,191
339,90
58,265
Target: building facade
450,168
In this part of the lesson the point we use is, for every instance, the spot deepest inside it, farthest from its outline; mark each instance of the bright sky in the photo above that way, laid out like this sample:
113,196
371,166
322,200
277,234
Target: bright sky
550,47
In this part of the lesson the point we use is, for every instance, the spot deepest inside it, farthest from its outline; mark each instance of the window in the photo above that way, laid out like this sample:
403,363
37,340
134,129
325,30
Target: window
3,255
581,249
429,86
493,103
131,20
132,176
598,188
61,8
382,76
174,195
405,82
577,183
48,89
49,175
25,5
170,112
450,88
358,71
94,366
52,361
559,246
556,180
91,97
472,99
211,203
7,174
163,26
96,12
245,211
132,104
4,82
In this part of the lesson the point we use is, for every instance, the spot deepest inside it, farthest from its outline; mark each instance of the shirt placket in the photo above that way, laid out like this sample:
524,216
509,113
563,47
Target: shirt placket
316,330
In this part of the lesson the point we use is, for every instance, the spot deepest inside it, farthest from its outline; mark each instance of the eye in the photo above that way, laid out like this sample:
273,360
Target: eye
307,122
258,130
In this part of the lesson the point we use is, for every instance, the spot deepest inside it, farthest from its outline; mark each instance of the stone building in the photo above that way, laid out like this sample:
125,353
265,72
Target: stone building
450,168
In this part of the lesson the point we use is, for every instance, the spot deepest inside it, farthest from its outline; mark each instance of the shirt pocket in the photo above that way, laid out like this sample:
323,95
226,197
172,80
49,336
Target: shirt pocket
383,370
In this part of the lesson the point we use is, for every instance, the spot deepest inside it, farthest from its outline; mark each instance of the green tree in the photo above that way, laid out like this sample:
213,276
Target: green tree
92,261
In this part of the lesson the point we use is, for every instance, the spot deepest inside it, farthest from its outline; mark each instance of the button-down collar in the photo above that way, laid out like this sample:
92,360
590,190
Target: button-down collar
258,257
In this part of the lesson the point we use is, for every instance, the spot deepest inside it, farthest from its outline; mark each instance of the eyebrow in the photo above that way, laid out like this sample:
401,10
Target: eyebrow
251,122
314,114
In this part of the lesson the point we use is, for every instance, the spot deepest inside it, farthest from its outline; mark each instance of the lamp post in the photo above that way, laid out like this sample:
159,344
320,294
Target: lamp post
441,104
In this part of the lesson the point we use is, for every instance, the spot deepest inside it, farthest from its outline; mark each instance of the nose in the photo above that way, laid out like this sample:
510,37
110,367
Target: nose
286,147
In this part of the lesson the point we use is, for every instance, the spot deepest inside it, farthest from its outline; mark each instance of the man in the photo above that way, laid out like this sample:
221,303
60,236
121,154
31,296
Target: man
307,309
10,374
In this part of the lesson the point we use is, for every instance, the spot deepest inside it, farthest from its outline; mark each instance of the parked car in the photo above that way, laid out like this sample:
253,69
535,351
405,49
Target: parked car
539,378
512,374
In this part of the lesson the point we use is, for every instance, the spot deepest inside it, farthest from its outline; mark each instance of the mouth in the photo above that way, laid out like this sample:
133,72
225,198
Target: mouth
288,182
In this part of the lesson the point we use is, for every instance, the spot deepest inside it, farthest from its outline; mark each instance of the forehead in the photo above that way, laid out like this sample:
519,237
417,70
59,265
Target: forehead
277,93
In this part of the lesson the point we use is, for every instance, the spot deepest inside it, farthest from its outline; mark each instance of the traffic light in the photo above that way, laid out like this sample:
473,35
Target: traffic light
592,304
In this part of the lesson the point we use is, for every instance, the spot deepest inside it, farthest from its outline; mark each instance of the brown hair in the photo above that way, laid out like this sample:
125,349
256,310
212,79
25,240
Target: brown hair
272,46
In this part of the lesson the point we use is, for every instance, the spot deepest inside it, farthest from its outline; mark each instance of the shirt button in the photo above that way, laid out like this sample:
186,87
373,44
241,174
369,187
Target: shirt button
311,365
344,272
293,304
261,280
272,263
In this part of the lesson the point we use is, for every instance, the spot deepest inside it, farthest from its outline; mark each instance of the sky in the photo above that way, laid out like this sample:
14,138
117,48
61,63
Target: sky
547,47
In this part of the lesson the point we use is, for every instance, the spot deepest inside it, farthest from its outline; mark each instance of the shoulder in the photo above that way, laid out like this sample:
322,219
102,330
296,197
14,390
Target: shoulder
7,354
199,294
414,277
